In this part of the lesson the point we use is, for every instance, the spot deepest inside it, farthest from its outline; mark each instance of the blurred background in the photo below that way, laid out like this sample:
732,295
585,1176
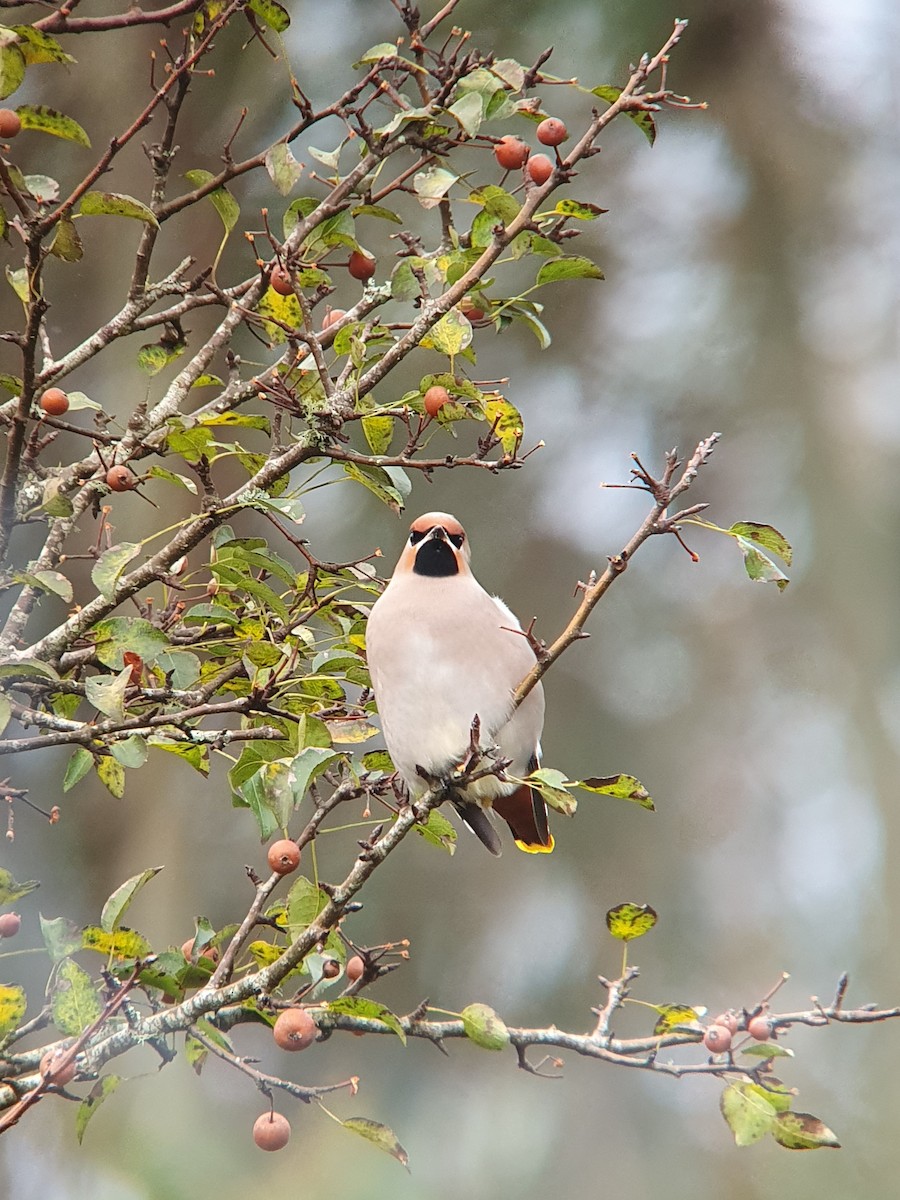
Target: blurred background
752,288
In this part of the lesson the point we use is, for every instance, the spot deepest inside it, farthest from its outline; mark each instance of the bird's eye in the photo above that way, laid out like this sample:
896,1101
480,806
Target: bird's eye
457,539
416,535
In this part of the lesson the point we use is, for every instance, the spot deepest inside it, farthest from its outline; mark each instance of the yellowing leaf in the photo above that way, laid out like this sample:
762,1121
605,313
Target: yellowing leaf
379,1135
13,1003
628,921
484,1027
118,943
75,1000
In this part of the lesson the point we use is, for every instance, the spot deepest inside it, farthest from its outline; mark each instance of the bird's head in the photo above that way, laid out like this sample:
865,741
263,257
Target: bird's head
437,546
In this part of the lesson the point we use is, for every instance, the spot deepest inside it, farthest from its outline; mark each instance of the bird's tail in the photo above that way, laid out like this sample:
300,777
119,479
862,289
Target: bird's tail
525,813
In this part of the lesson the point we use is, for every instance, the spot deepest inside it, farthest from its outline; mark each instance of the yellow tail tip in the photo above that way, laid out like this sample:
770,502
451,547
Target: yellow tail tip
536,847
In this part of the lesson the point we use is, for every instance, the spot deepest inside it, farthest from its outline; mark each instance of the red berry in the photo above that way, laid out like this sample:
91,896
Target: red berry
355,968
332,317
280,281
295,1029
121,479
539,168
271,1131
510,152
10,123
470,310
283,856
361,265
717,1039
9,924
435,399
728,1020
54,402
760,1028
51,1071
551,132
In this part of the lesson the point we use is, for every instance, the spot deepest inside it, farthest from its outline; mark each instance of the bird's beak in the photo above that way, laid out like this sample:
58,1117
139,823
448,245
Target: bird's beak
439,533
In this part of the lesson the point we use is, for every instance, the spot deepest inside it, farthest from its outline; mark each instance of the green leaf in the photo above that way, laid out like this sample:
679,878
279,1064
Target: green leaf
112,775
296,211
623,787
766,536
13,1003
759,566
107,692
308,766
10,891
377,53
5,712
283,168
767,1050
154,356
115,204
378,482
110,565
553,786
11,383
378,432
376,210
379,760
748,1113
67,246
497,202
78,766
379,1135
674,1016
75,1001
328,158
304,903
468,111
207,380
220,198
48,120
450,335
78,400
116,635
27,667
270,796
432,184
115,906
643,119
131,751
629,921
803,1131
39,47
369,1010
54,502
101,1090
44,189
61,937
272,14
569,267
484,1027
18,281
580,209
116,943
12,70
437,831
47,581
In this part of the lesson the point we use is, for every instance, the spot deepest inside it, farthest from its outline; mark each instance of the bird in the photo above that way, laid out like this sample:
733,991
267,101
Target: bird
443,653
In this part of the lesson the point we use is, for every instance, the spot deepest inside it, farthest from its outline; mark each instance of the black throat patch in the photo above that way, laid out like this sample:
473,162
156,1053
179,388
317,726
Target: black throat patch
435,557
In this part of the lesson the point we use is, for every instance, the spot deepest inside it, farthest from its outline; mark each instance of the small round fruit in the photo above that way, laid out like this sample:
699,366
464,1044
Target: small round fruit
9,924
121,479
539,168
331,968
435,399
280,281
552,132
209,952
760,1028
53,1072
54,402
355,968
283,856
271,1131
470,310
510,152
332,317
717,1039
10,123
728,1020
294,1029
361,265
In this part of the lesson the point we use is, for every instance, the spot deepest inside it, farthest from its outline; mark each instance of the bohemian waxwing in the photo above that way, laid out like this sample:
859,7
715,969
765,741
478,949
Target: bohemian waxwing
442,651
